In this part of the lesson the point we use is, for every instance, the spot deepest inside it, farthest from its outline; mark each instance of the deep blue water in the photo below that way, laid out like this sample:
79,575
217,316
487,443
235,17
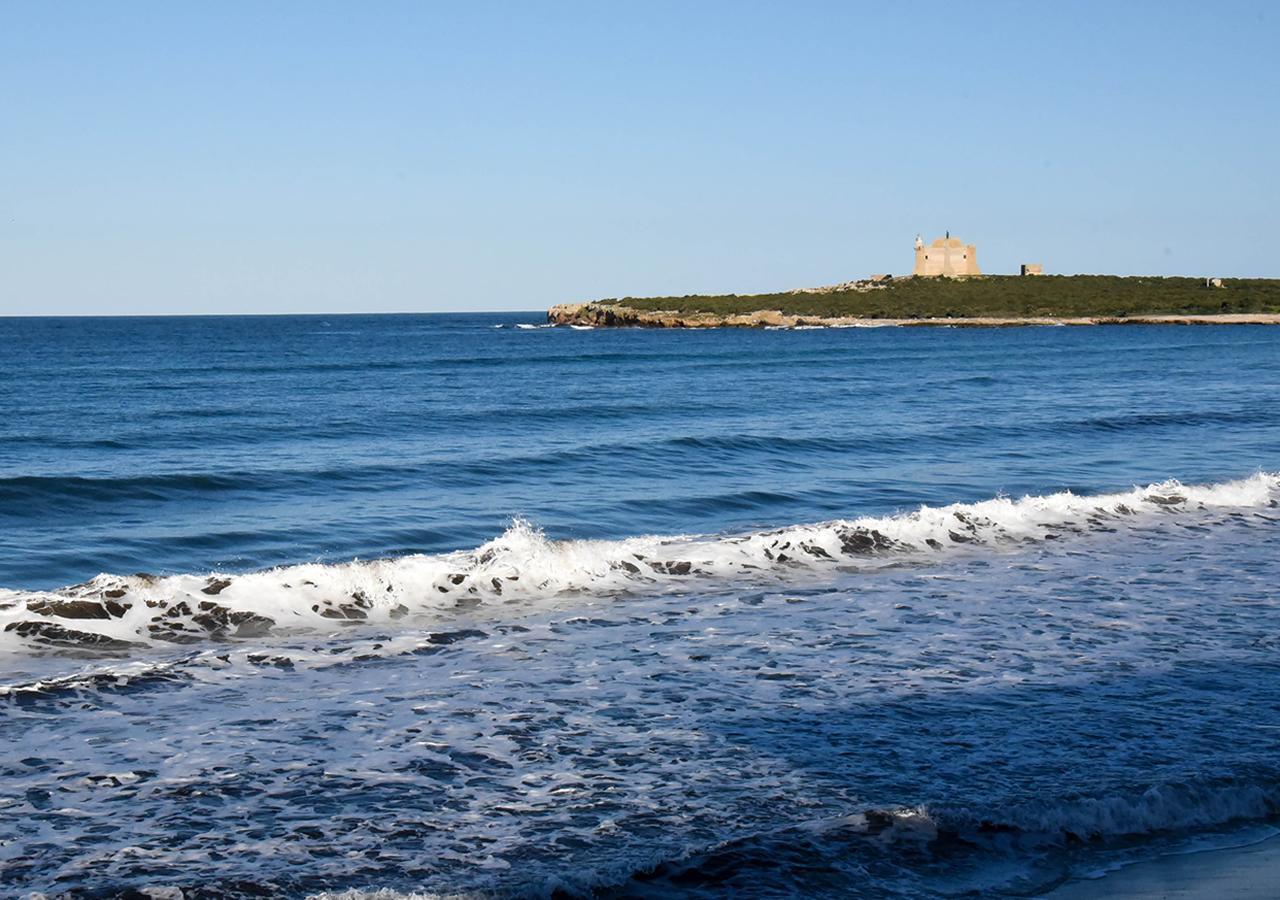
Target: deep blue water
988,697
177,445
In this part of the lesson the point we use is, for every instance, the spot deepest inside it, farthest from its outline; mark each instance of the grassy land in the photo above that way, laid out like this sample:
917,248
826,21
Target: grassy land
999,295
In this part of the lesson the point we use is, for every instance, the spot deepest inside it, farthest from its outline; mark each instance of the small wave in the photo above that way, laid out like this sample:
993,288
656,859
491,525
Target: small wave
385,894
116,614
1165,807
887,850
1007,850
1243,415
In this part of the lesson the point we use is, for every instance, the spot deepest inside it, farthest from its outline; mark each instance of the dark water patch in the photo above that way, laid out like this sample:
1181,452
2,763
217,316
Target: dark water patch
738,500
60,489
1253,414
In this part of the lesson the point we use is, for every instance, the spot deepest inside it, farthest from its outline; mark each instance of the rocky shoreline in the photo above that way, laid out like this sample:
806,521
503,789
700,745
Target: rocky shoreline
611,315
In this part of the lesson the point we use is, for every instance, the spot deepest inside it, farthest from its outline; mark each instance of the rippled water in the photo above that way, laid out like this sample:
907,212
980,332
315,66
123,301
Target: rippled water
762,626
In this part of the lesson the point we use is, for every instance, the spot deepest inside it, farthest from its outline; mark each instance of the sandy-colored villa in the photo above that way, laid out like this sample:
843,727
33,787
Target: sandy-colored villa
947,257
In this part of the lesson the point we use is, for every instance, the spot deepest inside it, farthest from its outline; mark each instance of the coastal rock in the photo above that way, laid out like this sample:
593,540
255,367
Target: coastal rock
614,315
672,568
618,315
218,619
51,634
862,541
79,609
343,611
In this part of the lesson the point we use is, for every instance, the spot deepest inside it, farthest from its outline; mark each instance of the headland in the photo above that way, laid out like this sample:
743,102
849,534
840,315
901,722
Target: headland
973,301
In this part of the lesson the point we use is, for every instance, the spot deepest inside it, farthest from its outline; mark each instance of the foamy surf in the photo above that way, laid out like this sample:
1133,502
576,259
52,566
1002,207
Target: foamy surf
114,614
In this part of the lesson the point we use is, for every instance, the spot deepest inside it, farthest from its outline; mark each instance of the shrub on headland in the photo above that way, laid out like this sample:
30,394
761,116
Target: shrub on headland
996,296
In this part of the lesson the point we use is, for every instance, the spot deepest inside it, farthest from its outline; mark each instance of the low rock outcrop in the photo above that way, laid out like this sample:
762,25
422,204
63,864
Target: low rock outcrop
616,315
612,315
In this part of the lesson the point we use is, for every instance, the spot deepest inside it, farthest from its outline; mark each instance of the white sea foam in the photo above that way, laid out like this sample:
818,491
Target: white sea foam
113,612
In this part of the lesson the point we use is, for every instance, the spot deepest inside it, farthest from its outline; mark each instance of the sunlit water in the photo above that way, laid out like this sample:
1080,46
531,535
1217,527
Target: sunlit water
784,611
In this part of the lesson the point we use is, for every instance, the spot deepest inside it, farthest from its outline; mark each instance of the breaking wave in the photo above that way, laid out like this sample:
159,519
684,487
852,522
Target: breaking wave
114,614
850,848
829,856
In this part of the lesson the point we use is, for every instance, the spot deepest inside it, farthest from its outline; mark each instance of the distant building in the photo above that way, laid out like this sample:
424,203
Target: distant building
945,257
1032,269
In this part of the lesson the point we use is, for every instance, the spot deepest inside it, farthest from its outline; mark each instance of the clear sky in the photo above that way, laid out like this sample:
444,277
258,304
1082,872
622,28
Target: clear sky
384,156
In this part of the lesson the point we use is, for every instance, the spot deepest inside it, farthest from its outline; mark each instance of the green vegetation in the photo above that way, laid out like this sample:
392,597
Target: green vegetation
999,296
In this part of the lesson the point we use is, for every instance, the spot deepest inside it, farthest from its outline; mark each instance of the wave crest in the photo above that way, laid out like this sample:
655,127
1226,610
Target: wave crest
113,614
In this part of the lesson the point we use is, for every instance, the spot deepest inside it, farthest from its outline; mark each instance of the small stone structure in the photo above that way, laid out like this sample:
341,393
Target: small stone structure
1032,269
945,257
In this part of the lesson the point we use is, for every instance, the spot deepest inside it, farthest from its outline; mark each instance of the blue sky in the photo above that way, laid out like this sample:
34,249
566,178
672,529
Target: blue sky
294,157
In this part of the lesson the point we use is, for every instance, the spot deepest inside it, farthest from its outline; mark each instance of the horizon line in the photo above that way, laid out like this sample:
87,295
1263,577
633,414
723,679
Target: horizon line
245,315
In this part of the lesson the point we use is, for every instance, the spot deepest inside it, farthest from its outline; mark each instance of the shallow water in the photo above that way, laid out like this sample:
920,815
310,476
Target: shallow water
764,628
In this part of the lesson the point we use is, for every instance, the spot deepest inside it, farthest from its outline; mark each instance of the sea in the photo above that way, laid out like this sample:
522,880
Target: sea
464,605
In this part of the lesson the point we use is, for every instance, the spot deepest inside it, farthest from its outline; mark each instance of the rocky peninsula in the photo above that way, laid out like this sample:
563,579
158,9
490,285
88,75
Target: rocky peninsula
985,301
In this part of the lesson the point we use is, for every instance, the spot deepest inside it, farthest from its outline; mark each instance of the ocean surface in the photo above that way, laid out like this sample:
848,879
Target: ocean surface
456,604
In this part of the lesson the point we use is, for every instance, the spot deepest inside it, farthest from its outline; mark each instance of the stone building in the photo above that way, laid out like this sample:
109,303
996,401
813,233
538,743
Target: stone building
945,257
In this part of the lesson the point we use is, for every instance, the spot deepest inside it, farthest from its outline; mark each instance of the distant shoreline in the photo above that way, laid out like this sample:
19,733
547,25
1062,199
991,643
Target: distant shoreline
597,315
977,302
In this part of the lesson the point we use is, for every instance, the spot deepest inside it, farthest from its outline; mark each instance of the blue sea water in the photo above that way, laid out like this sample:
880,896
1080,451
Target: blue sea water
459,604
